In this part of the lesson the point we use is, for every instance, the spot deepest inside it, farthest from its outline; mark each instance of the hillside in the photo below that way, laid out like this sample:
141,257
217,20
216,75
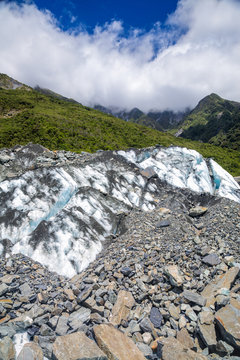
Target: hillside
29,116
214,120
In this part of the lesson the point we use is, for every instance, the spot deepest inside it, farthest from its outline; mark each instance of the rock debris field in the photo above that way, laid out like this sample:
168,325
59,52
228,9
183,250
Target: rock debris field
166,287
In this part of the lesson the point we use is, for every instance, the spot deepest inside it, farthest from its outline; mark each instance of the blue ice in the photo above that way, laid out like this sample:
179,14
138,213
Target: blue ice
64,197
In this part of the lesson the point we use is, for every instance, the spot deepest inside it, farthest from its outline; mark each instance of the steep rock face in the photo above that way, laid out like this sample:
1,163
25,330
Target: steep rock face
58,208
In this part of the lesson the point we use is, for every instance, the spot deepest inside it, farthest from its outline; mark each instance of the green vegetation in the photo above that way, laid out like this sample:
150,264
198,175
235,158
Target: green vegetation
30,116
216,121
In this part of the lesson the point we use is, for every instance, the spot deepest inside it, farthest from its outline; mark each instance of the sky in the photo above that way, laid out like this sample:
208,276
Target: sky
150,54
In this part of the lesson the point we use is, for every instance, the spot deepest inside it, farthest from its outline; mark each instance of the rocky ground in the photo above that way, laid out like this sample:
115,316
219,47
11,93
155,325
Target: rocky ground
167,288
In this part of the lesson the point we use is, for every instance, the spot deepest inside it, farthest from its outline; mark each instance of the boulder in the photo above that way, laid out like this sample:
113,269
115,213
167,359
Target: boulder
76,346
174,350
197,211
222,281
30,351
7,351
115,344
185,339
208,335
228,321
62,326
122,307
174,275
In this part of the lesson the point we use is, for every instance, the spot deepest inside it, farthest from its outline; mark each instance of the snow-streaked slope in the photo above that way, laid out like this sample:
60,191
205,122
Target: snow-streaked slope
60,215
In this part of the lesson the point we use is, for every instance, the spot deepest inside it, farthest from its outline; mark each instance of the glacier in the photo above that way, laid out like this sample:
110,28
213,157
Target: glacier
59,208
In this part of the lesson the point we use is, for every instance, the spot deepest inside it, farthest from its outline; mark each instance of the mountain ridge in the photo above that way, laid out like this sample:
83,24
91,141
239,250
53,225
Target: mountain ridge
158,120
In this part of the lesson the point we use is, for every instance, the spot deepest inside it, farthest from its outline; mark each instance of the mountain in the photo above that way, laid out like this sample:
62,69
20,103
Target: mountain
159,120
214,120
26,115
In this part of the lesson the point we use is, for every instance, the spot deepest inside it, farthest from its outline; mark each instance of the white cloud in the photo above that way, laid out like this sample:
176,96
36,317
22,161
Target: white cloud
200,54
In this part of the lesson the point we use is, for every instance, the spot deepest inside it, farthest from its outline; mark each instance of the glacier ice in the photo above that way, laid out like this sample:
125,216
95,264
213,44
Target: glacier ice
60,215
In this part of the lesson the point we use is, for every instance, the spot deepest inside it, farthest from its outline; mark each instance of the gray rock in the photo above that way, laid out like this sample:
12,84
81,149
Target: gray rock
7,330
62,326
3,289
191,314
211,259
145,349
84,294
156,317
2,311
25,289
46,344
194,297
126,271
45,330
82,315
53,322
224,348
146,325
163,223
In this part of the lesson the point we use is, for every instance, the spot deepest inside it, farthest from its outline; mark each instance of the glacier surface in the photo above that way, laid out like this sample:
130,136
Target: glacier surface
61,214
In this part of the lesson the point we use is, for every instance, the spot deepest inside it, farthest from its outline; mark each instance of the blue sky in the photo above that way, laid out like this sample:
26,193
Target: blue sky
89,13
154,55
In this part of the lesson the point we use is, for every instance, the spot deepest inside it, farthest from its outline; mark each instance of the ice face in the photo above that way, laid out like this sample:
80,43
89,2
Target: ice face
186,168
60,216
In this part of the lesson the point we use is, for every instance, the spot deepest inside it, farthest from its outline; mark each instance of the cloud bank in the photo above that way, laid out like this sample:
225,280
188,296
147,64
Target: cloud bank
172,66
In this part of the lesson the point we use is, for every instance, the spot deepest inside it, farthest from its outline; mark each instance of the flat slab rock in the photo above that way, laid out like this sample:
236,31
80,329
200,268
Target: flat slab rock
115,344
194,297
222,281
76,346
211,259
228,321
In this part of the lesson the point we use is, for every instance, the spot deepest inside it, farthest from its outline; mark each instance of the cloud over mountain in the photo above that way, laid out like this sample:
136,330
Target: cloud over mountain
172,66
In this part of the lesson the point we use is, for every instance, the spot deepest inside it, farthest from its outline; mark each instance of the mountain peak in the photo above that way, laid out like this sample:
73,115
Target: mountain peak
208,100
